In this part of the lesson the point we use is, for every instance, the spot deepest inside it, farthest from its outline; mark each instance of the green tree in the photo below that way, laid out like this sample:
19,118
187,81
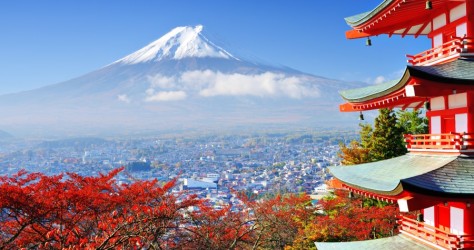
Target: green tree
411,122
366,133
383,141
387,137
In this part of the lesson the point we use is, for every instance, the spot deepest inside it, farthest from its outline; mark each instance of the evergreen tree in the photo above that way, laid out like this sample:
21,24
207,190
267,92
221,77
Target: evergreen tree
411,122
387,137
383,141
366,132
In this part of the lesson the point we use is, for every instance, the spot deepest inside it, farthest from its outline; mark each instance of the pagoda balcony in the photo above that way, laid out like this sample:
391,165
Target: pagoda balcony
436,237
448,51
448,143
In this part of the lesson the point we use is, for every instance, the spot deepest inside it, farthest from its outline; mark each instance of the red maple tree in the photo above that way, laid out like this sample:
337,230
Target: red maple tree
69,211
340,218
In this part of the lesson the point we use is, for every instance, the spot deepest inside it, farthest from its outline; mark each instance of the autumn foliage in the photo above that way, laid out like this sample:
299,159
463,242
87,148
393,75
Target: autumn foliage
341,218
75,212
56,212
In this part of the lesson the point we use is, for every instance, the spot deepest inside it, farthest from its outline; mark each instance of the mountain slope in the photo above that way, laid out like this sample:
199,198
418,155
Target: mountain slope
180,81
181,42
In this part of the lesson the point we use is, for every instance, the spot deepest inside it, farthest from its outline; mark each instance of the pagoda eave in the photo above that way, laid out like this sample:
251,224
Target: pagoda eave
413,181
407,200
417,85
395,17
400,101
354,34
416,173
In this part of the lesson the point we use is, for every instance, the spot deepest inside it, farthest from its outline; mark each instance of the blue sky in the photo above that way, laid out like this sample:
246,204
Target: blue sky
46,42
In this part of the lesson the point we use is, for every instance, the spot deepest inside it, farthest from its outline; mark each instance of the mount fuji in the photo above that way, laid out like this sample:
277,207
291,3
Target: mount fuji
182,81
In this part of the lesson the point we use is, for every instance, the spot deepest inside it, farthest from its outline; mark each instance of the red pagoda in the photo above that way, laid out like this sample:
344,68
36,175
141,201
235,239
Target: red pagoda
436,177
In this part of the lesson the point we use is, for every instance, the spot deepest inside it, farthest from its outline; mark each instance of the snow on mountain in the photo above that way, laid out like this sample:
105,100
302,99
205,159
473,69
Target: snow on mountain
181,81
179,43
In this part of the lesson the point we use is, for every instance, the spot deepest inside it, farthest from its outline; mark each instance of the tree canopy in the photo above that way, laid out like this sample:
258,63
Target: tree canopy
412,122
75,212
385,139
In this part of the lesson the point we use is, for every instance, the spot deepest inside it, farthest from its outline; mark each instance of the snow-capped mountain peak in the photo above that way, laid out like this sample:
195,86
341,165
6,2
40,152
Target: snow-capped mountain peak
179,43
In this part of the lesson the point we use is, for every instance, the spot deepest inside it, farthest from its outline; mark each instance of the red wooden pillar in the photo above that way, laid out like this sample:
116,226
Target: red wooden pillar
444,217
469,219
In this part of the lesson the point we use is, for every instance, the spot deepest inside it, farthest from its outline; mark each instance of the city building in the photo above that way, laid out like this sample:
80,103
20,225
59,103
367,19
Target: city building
435,179
189,183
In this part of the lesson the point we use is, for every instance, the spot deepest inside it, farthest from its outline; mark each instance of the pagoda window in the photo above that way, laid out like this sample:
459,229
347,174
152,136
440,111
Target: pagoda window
457,12
461,30
457,220
457,101
429,216
435,125
437,40
461,123
439,21
437,103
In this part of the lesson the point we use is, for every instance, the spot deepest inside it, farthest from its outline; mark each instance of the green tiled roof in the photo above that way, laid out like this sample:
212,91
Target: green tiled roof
384,176
355,18
364,17
457,71
390,243
455,178
369,91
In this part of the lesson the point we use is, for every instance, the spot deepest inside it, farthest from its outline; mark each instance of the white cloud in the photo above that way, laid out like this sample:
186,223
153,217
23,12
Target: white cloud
164,96
161,81
379,80
124,98
209,83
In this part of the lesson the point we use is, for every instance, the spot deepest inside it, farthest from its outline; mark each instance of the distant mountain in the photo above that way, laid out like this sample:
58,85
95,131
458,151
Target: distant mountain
180,43
5,135
181,81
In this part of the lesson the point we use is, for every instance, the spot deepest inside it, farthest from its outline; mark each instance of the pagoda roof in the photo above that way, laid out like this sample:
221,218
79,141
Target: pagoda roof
372,91
390,243
361,18
386,177
457,72
454,179
403,17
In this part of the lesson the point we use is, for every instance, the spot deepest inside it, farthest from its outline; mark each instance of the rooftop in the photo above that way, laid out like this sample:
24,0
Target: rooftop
429,173
453,179
459,73
396,17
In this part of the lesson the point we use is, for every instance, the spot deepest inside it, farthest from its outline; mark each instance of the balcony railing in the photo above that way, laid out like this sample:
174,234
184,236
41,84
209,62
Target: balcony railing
449,141
435,236
456,47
